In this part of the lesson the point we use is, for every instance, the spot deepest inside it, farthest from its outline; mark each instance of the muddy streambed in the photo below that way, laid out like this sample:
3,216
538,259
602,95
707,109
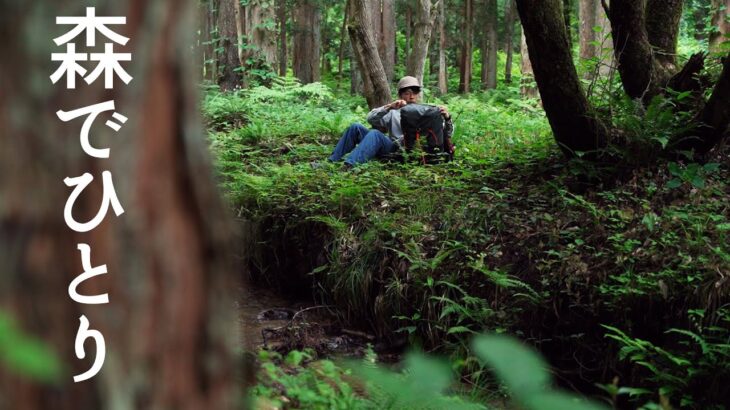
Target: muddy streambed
272,321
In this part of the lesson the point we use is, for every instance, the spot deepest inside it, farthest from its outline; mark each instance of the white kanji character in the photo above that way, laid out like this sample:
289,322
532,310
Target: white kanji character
69,65
91,24
109,196
88,273
109,64
81,336
93,111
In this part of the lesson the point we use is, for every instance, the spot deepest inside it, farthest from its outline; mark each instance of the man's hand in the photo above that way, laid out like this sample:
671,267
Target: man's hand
397,104
445,112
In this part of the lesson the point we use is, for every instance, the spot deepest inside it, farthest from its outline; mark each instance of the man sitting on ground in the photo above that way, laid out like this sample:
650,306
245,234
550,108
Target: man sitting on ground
363,144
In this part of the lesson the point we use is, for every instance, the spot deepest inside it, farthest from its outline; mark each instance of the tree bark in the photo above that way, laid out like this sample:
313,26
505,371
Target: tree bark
527,80
641,74
567,10
720,24
167,326
366,53
570,114
281,17
208,47
421,40
386,49
595,45
662,26
489,47
228,60
713,120
307,20
442,75
261,30
466,49
509,26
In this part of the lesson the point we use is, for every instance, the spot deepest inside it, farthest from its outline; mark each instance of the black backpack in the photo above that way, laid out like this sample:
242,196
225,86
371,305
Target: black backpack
423,130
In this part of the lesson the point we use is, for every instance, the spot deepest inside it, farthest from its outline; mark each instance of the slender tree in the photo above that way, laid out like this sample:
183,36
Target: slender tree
594,36
386,48
720,23
421,39
442,75
281,17
509,27
466,48
230,77
260,29
489,46
366,52
167,326
307,41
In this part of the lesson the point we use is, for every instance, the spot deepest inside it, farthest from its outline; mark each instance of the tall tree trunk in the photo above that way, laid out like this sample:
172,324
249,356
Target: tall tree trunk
509,27
662,26
595,40
209,10
228,59
489,47
713,120
386,48
442,84
421,40
527,80
307,20
343,44
642,75
281,17
409,25
720,24
366,52
466,49
571,117
167,326
567,10
260,30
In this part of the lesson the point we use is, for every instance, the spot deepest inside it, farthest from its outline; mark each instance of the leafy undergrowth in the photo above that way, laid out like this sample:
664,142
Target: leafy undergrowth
627,281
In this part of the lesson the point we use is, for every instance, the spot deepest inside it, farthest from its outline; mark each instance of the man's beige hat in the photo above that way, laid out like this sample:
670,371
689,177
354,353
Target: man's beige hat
408,81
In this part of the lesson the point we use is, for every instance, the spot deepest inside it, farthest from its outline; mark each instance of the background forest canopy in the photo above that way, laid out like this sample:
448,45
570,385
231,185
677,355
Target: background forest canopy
373,43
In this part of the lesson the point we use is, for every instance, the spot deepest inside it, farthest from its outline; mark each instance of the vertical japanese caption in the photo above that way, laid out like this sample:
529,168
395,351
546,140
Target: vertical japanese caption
89,63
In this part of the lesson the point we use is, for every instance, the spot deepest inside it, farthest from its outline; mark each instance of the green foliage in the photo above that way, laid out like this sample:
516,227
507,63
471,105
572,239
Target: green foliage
25,355
695,358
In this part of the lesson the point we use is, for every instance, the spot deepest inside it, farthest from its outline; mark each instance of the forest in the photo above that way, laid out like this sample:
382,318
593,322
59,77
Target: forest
572,250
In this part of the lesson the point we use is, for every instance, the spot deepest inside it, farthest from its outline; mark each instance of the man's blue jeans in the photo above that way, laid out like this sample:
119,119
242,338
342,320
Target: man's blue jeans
362,144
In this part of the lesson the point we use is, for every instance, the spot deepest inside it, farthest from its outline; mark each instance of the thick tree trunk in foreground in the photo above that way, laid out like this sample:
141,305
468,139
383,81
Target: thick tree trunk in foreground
567,108
466,49
509,29
442,76
421,40
721,23
228,60
169,323
366,53
306,22
489,47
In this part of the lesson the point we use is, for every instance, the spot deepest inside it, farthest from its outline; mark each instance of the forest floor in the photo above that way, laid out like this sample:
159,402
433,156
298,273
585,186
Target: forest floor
622,283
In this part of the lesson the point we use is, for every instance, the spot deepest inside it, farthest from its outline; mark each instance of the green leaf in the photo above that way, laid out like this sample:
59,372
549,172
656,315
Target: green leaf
520,368
26,355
